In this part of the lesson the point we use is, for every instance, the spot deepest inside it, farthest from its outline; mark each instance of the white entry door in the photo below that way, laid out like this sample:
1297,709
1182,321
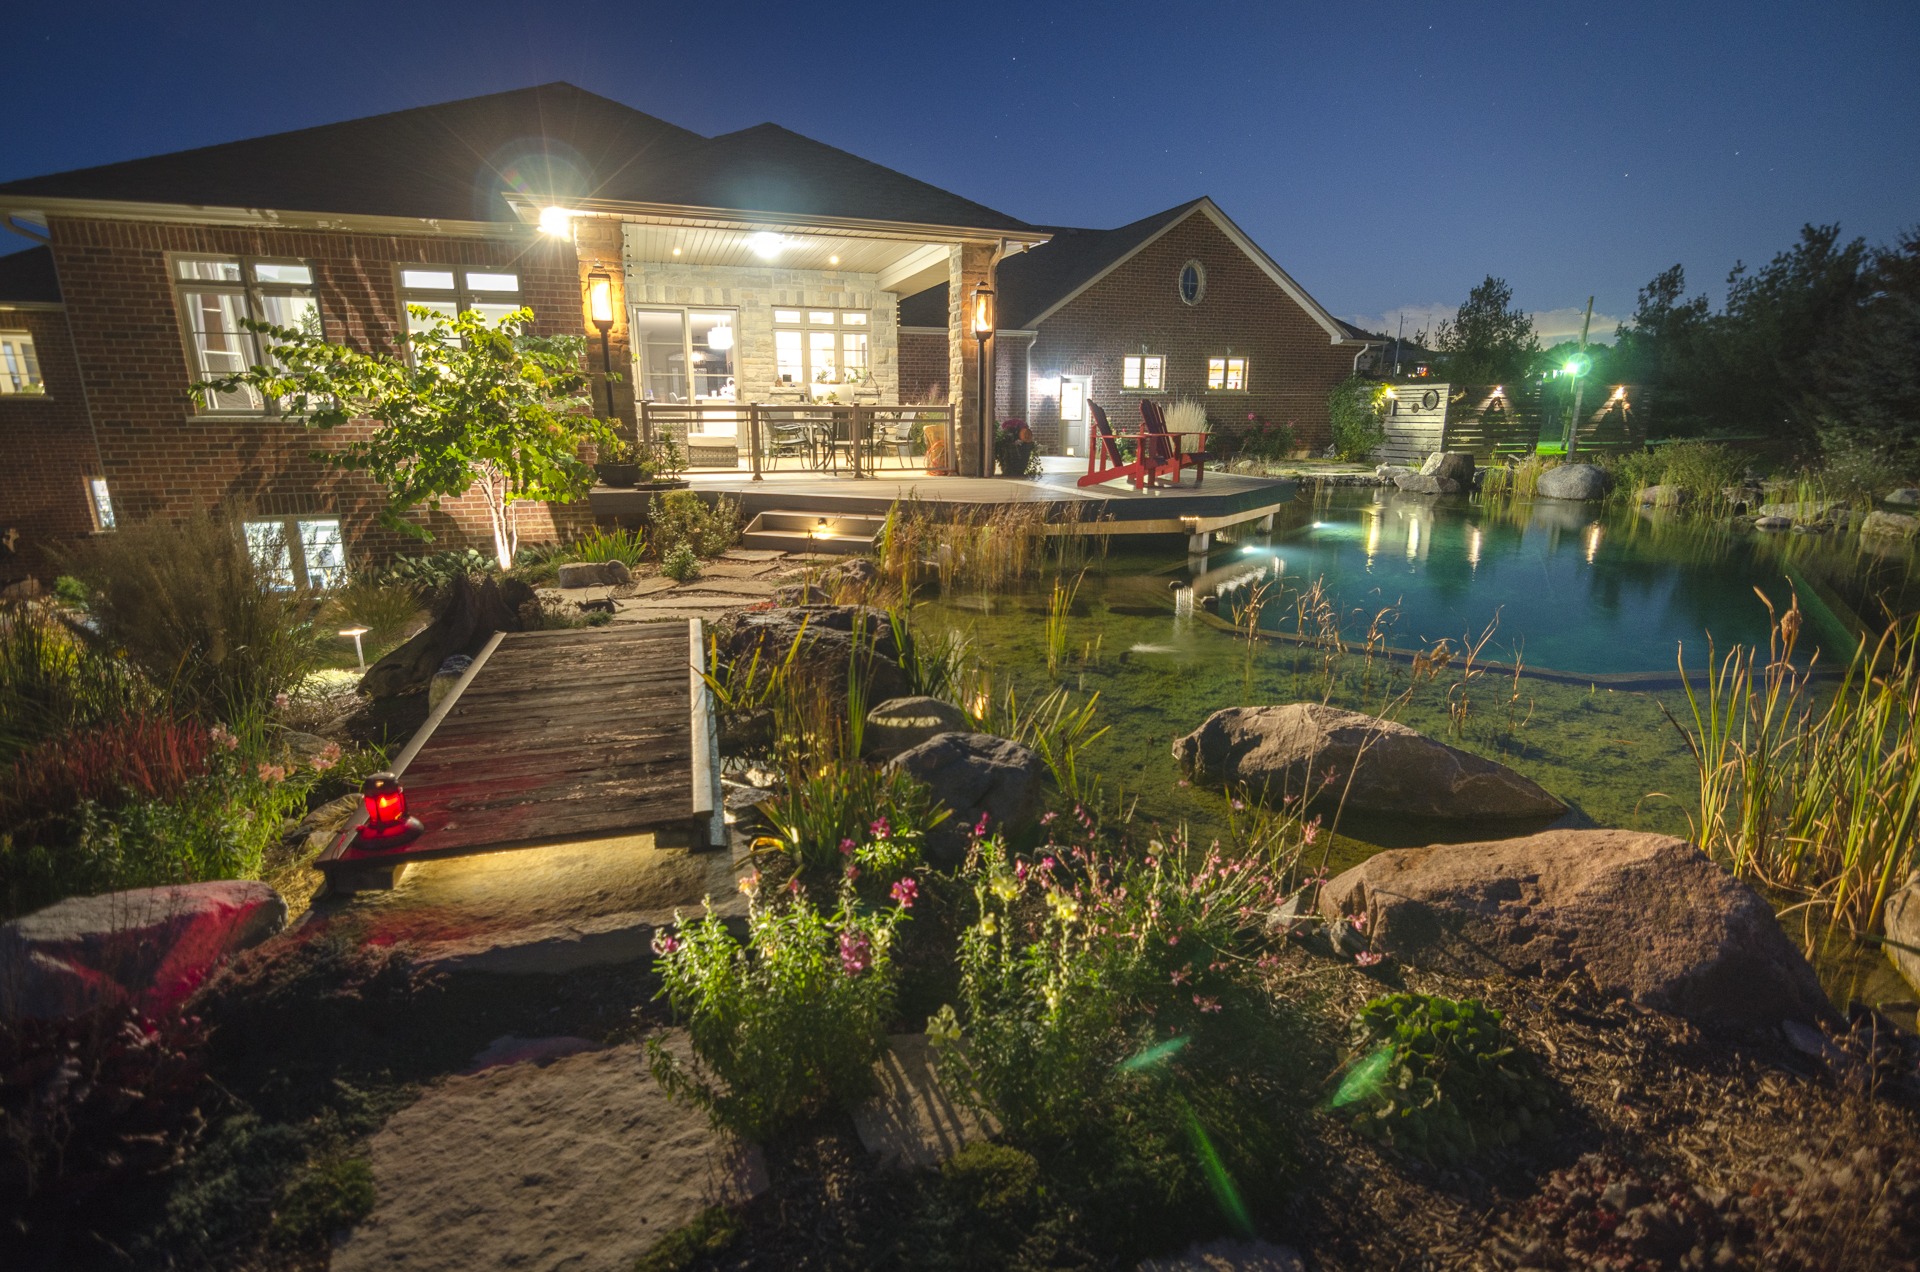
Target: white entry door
1074,416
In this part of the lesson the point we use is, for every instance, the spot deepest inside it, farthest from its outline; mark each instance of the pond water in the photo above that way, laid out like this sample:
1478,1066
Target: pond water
1593,604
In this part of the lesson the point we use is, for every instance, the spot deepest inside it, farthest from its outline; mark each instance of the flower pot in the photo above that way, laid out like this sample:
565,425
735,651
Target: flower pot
617,474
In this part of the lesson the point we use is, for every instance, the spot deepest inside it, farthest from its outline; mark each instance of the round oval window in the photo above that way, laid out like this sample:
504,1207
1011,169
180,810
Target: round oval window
1193,282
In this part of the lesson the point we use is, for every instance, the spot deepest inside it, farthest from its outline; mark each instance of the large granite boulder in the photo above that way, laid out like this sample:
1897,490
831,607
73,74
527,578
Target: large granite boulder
469,613
1308,749
1583,482
900,724
1643,917
150,947
974,774
1452,465
1893,524
828,643
1427,484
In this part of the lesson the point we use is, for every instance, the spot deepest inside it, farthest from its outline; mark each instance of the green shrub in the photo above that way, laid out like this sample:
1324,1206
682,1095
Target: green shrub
1703,469
71,591
1440,1078
428,575
334,1194
388,610
788,1023
194,609
841,812
52,682
1356,413
680,564
681,518
710,1232
624,546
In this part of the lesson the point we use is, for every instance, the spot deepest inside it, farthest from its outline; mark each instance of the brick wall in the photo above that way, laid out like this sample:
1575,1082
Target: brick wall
162,460
48,452
923,364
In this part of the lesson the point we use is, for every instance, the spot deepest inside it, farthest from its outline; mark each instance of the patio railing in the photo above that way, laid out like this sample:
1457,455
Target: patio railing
856,440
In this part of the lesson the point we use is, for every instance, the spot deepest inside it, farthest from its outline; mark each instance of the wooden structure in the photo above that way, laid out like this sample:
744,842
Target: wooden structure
558,736
1493,423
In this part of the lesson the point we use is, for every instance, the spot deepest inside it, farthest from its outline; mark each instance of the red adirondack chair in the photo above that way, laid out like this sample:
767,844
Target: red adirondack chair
1104,461
1172,451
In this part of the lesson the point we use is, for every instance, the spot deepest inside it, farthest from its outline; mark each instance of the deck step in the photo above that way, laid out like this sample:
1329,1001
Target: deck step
790,531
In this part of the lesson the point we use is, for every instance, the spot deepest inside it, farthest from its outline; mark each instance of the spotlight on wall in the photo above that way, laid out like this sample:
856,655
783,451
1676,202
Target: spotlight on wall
556,221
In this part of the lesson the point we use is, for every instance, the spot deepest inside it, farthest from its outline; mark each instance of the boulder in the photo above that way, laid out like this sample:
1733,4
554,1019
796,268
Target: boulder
1665,496
1643,917
1900,524
974,774
150,947
1804,510
1903,931
1905,497
468,614
802,594
900,724
594,574
1424,484
1772,523
827,644
1454,465
1583,482
859,572
1292,750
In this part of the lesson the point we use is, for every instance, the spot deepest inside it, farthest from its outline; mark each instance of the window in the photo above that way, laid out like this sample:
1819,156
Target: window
1193,282
818,347
1227,374
1145,372
304,552
685,355
448,290
102,503
217,292
19,368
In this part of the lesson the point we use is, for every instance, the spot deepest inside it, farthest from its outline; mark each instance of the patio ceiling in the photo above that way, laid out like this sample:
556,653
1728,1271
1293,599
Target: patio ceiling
903,264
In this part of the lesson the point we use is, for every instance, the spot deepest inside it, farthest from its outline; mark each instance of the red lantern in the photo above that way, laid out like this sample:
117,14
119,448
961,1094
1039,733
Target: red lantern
387,824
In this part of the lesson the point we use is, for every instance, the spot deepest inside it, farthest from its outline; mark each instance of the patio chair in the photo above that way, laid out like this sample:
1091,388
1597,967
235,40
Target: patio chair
1104,462
1172,451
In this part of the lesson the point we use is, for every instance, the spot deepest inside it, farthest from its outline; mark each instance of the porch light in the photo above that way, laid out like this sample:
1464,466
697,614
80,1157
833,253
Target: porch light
982,311
600,298
387,824
556,221
766,245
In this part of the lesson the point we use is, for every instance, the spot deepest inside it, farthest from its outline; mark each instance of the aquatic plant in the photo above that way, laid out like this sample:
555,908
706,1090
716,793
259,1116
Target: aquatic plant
1059,610
1056,726
1440,1078
1515,480
1822,801
987,548
787,1022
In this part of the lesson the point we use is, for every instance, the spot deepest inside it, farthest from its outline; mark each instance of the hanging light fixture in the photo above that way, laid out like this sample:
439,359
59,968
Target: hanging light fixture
387,825
720,337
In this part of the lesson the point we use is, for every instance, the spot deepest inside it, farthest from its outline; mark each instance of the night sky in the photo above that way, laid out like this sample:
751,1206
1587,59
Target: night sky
1387,155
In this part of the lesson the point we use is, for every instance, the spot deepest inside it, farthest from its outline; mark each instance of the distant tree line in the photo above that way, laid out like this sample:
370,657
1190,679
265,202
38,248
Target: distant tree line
1819,349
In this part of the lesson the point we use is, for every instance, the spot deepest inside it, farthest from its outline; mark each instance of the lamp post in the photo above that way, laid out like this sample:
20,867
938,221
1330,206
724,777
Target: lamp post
982,328
359,652
600,306
1578,366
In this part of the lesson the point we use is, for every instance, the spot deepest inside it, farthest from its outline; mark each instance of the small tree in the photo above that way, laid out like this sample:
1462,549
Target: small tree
463,405
1487,341
1356,409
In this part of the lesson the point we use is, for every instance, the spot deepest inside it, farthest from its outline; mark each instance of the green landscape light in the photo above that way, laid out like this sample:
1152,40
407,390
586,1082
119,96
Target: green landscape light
1576,366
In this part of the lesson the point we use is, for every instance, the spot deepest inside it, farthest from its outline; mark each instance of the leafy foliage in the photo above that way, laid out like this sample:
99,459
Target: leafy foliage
428,575
624,546
680,518
1356,412
1440,1078
680,564
1487,341
1264,439
785,1024
464,404
839,812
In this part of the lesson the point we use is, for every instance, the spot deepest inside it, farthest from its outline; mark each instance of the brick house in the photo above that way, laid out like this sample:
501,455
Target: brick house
1181,304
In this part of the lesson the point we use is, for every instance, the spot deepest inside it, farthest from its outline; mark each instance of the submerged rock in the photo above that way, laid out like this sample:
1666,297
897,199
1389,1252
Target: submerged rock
1292,750
1584,482
1665,496
975,775
1645,917
150,947
1772,523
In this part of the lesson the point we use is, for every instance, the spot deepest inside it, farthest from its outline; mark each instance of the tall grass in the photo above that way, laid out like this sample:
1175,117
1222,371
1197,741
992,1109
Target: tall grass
1059,610
987,548
1518,480
1821,801
52,682
389,611
598,545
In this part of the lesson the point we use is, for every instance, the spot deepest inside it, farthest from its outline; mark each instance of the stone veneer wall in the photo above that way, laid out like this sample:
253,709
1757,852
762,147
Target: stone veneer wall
755,292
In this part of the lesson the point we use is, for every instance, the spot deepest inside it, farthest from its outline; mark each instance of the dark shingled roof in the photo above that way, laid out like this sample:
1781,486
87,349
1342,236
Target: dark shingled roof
28,276
556,141
1032,282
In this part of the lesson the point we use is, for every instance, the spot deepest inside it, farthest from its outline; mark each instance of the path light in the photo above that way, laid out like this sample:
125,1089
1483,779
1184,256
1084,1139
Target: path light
820,529
600,306
387,824
358,652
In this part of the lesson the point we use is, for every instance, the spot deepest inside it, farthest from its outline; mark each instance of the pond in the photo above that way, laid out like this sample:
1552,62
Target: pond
1593,604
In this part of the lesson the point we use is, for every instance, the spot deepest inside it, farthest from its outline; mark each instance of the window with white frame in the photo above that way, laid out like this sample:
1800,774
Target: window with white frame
102,500
1143,373
218,294
819,347
453,289
1228,374
19,367
301,551
685,355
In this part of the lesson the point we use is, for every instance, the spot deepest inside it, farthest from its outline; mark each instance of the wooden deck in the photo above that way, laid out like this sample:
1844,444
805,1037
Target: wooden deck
558,736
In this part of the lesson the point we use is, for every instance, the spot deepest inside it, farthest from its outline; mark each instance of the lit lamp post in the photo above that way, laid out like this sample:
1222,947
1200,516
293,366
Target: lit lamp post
600,306
982,328
358,652
1576,367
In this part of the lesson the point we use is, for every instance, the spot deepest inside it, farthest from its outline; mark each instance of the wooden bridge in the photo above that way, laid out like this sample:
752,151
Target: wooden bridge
557,736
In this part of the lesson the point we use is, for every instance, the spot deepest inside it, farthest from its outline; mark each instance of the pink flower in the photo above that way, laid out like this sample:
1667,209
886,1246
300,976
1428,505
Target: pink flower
1183,783
1206,1004
1020,871
980,827
1239,806
1358,921
665,943
280,701
1367,958
881,828
846,847
853,872
1310,832
906,892
856,953
223,738
328,757
1046,819
272,773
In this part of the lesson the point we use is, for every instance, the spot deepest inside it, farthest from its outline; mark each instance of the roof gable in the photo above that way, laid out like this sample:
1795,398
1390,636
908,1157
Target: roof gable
28,278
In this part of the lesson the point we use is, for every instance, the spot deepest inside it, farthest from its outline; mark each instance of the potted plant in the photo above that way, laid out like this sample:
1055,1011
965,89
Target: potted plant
1015,450
660,463
618,465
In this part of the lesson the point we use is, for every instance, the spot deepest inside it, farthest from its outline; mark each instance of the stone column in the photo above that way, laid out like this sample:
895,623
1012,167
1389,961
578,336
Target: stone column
597,242
968,264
